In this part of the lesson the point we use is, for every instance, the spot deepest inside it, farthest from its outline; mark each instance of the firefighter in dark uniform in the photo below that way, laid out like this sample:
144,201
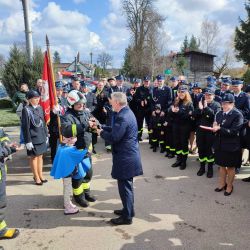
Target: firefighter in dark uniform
224,89
169,143
120,84
157,129
196,95
6,149
77,123
181,112
204,115
242,103
53,123
161,94
143,100
102,99
227,146
91,104
131,95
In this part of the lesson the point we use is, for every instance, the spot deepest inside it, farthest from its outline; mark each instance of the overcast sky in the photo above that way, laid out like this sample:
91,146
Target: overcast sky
98,25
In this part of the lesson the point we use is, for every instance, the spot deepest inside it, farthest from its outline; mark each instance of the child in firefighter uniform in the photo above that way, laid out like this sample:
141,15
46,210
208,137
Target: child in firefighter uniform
5,151
77,123
157,129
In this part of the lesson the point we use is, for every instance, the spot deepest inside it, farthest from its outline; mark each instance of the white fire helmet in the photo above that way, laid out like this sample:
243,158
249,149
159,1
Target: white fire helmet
75,96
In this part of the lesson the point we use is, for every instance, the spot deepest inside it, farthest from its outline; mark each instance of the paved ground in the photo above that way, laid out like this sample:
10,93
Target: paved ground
174,209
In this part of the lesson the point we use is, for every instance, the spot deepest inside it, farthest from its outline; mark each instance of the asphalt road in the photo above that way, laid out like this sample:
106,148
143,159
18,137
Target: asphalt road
174,209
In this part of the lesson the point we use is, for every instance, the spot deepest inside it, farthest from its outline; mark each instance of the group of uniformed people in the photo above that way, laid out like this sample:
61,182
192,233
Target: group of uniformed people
174,112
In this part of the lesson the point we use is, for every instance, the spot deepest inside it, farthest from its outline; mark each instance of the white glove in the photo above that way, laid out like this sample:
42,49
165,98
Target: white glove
29,146
56,110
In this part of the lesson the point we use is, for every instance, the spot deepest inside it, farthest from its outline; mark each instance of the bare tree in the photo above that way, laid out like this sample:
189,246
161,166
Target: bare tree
104,60
142,22
209,34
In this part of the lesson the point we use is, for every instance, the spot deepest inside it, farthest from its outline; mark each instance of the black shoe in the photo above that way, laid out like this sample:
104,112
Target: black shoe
39,183
44,181
237,170
246,179
210,172
177,163
154,149
183,166
201,171
139,139
167,154
80,200
221,189
89,197
93,151
170,156
121,221
118,212
228,193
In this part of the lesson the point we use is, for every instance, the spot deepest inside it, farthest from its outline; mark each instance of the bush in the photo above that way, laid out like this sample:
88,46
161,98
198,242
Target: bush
5,103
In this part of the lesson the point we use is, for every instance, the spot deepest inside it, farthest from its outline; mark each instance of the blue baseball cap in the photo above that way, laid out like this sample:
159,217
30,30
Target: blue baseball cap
228,98
160,78
146,78
119,78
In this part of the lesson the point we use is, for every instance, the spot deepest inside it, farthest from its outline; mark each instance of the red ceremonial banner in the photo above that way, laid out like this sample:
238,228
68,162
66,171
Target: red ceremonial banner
47,100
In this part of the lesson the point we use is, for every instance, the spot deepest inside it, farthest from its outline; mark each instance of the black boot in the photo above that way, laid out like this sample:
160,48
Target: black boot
210,171
183,162
202,169
80,199
178,162
88,196
154,148
167,152
171,155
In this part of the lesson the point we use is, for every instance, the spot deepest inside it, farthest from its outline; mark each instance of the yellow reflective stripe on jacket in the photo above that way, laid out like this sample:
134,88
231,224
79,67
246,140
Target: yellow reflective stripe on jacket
185,153
5,138
210,160
79,190
153,140
171,149
178,152
202,159
3,225
74,130
6,168
90,147
86,186
161,142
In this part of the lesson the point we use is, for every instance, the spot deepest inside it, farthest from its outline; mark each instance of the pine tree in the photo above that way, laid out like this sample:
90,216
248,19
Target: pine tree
242,38
127,66
194,44
56,57
185,45
17,69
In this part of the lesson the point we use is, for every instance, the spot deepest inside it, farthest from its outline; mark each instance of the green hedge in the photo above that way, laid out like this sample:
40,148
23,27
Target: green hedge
8,118
5,103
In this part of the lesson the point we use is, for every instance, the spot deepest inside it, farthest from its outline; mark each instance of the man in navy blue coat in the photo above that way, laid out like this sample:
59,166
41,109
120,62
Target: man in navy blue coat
122,135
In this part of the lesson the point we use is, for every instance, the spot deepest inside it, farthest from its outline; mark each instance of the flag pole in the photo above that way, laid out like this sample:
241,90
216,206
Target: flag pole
53,85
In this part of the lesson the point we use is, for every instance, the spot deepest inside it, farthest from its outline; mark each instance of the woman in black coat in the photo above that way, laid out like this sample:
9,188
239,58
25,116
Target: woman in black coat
35,135
226,127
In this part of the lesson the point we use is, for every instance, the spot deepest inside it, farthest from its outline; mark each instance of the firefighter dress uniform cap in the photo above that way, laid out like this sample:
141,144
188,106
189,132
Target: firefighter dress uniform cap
119,78
146,78
111,78
74,97
236,82
59,85
83,84
158,106
32,94
209,91
210,79
173,78
196,85
75,78
226,81
160,78
137,80
183,89
228,98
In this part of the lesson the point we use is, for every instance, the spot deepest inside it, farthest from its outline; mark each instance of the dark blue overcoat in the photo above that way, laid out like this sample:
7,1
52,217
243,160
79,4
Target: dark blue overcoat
125,147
